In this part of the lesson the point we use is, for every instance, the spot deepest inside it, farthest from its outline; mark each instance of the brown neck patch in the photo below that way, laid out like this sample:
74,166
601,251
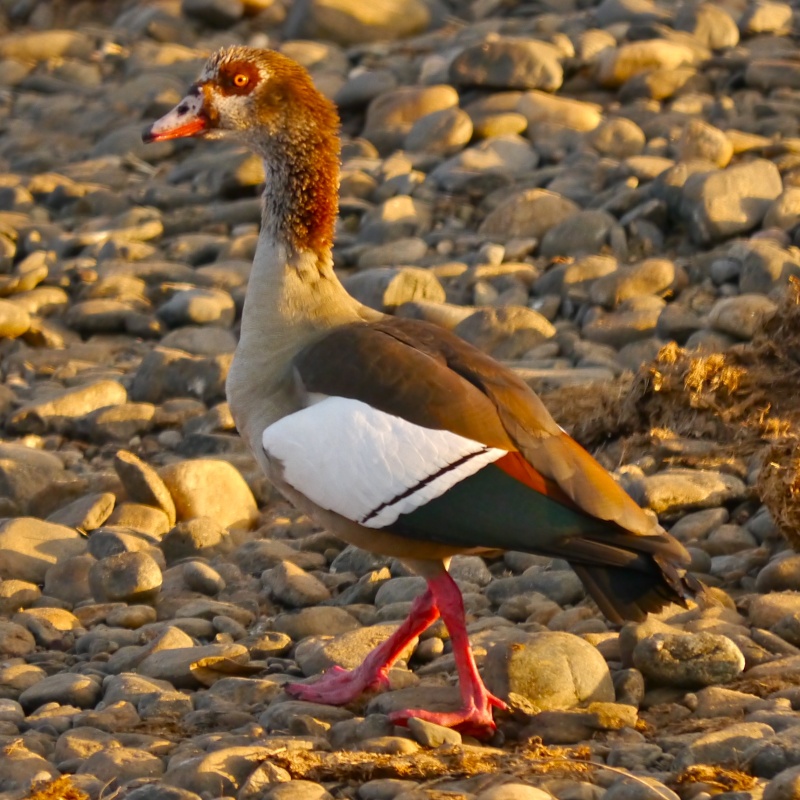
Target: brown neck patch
301,195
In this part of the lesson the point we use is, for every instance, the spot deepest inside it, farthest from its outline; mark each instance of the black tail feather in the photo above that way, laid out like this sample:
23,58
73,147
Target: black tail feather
631,576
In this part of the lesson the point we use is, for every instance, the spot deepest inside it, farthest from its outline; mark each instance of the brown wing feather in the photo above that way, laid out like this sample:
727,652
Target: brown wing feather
429,376
531,428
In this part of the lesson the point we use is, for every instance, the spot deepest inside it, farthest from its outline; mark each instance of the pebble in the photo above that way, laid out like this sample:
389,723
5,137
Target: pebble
210,488
552,670
700,659
570,190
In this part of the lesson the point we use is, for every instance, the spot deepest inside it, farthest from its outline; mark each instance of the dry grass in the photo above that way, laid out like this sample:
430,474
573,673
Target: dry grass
718,778
530,760
740,403
59,789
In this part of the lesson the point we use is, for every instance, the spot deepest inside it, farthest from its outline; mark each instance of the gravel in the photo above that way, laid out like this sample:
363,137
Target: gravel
570,190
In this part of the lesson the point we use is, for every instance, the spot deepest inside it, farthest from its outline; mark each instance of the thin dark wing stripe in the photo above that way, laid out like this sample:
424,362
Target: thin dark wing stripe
422,484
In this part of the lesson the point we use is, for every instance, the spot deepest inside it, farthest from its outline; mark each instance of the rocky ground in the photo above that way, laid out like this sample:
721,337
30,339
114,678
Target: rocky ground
588,191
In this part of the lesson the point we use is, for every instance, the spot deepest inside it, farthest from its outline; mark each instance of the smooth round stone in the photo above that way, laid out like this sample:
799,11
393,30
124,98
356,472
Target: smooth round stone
122,764
315,621
15,595
14,320
126,577
350,22
58,412
391,115
210,488
294,587
687,660
509,63
199,307
532,212
200,577
618,138
30,546
65,688
143,483
552,670
781,574
741,316
200,341
703,141
442,133
15,640
200,536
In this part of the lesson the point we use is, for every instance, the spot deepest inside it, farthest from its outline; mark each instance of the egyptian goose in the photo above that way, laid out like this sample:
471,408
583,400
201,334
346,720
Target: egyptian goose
393,433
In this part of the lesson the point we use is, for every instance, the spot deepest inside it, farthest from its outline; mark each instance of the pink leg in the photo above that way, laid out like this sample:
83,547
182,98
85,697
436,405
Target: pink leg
475,715
339,686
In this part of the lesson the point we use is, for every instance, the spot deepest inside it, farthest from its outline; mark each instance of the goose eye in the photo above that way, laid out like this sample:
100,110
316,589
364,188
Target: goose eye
241,80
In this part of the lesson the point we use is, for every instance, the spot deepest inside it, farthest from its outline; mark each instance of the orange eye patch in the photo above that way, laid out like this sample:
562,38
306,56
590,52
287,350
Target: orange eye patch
241,80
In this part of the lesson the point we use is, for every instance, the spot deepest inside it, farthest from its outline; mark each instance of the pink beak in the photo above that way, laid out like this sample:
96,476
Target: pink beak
187,119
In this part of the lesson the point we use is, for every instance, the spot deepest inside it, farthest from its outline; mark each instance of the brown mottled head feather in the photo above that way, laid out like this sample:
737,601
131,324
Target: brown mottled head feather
271,102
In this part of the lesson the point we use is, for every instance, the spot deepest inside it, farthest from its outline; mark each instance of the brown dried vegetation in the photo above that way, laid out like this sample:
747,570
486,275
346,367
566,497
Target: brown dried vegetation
740,403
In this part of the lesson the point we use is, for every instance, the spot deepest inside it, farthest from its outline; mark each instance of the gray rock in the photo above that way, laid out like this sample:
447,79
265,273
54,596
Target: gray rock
642,788
127,577
349,22
723,747
316,654
710,24
29,546
87,513
292,586
15,595
618,138
216,13
198,307
563,112
203,578
552,670
177,665
200,536
704,142
65,688
68,579
391,115
583,233
784,786
15,641
386,288
767,610
315,621
166,373
428,734
532,213
491,162
122,765
741,316
117,423
765,266
675,490
210,488
635,319
651,276
14,320
722,204
688,660
442,133
505,332
59,412
507,63
143,483
770,73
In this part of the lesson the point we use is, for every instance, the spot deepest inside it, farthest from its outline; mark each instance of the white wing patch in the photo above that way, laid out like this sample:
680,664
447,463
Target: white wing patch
366,465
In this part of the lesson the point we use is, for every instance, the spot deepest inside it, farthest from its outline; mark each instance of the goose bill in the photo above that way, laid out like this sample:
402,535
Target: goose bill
187,119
